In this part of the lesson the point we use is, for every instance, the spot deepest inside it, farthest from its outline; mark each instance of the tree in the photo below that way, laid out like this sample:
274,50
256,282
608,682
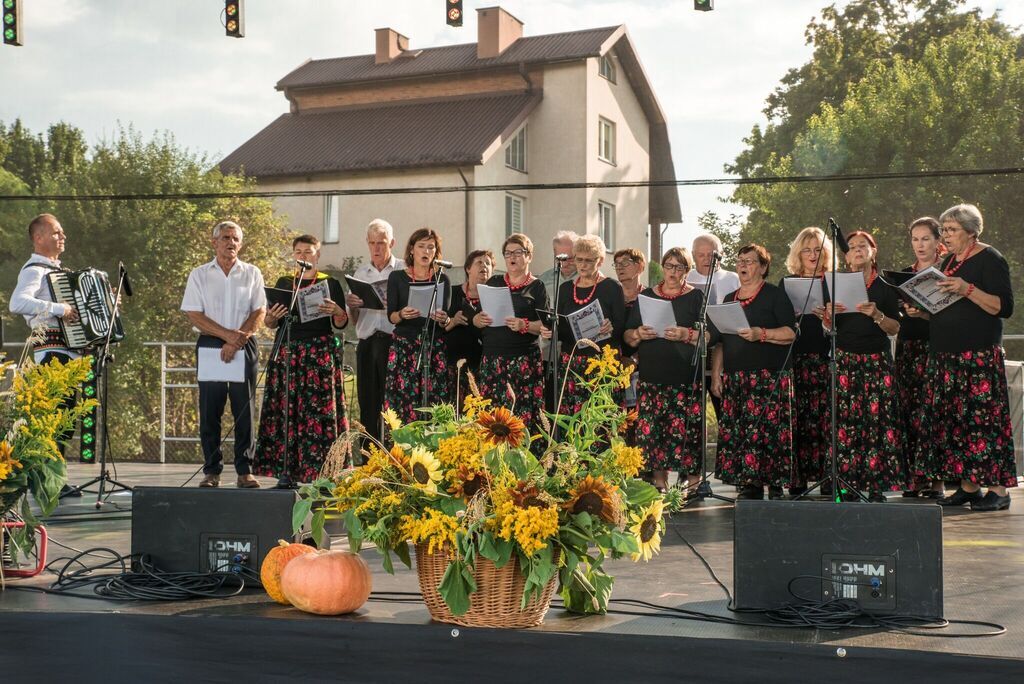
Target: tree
726,230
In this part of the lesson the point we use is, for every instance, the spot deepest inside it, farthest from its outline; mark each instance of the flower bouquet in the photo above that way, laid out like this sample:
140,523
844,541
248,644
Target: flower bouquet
472,488
31,419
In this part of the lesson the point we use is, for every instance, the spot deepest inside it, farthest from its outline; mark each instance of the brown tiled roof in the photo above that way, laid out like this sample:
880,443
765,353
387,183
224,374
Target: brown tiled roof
453,58
392,136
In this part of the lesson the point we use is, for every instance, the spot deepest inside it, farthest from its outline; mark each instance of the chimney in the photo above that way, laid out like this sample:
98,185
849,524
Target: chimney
496,31
390,44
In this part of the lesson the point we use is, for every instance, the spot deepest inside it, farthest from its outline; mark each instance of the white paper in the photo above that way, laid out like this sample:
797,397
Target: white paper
656,313
309,300
496,302
924,288
797,289
728,318
586,323
420,295
850,290
212,369
702,286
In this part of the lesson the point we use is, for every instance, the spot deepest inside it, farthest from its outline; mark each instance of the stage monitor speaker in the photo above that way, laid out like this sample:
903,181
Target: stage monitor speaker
887,557
208,529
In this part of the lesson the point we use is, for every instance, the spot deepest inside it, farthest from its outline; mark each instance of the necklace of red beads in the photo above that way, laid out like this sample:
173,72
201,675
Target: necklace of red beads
473,301
951,270
660,291
746,302
584,300
515,288
414,279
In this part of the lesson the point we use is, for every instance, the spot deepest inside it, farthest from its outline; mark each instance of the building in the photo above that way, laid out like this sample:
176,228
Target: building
505,111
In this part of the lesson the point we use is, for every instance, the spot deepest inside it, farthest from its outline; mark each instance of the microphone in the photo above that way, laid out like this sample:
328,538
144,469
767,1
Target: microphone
443,264
715,256
126,285
304,264
561,257
837,234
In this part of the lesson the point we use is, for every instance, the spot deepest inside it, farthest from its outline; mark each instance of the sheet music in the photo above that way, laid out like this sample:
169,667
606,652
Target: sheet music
374,295
728,318
310,299
419,298
496,302
797,289
586,323
212,369
924,288
850,290
656,313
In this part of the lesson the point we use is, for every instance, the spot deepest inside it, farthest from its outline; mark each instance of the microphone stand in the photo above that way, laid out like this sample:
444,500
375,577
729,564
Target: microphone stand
427,336
700,360
554,349
284,338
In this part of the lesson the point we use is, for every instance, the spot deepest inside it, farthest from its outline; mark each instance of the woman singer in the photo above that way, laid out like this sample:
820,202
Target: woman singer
463,338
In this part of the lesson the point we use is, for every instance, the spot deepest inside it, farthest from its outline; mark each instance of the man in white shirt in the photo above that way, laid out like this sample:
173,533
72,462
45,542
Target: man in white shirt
224,299
372,326
704,246
561,243
33,300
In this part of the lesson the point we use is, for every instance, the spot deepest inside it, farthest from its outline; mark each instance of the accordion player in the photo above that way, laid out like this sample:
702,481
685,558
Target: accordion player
88,292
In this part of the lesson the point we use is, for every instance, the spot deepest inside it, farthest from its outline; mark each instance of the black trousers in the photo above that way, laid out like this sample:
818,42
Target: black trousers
213,396
371,371
69,402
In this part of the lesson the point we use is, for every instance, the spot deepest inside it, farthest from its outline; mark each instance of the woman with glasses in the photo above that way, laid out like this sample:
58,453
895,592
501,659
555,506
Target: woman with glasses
668,426
810,256
511,373
870,443
966,431
629,264
463,339
413,380
912,356
589,286
751,371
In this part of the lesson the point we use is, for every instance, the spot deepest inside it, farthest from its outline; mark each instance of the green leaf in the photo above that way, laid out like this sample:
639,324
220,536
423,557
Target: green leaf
354,527
624,542
456,586
316,527
639,493
402,551
300,511
386,561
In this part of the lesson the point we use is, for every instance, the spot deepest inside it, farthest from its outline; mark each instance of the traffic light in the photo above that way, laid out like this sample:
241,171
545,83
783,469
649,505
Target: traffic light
12,22
704,5
234,18
454,16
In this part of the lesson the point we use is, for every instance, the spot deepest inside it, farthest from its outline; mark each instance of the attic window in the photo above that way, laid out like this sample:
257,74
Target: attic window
606,67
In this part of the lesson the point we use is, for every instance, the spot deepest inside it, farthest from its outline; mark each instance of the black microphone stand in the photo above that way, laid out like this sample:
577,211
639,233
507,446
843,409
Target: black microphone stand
427,336
700,360
284,337
555,348
103,359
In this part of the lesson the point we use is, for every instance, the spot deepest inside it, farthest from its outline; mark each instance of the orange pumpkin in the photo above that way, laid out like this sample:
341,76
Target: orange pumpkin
275,562
327,582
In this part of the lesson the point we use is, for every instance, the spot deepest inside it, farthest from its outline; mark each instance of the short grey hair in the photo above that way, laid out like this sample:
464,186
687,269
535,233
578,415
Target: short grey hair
563,235
222,225
379,225
708,238
967,215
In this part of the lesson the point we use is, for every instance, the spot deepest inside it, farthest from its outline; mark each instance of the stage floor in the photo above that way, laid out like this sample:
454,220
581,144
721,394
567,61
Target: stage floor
983,568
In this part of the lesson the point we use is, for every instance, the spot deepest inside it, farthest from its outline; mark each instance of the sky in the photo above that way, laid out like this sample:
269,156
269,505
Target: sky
167,66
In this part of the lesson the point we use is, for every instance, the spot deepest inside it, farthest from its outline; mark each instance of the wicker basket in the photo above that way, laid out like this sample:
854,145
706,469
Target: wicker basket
498,595
9,499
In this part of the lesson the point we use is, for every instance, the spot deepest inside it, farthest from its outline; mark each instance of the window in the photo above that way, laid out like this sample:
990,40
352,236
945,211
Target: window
606,221
606,140
606,67
515,153
514,208
332,218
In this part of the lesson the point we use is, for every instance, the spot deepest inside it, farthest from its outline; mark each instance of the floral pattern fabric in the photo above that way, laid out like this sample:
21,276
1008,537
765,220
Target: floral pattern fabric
812,428
755,431
314,403
403,389
911,380
525,375
668,428
966,429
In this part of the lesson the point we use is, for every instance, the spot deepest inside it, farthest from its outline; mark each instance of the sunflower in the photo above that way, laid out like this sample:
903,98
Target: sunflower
391,418
467,482
646,527
526,495
594,496
425,469
501,427
628,421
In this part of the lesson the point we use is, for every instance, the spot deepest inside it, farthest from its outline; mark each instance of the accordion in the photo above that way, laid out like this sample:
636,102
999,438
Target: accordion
88,292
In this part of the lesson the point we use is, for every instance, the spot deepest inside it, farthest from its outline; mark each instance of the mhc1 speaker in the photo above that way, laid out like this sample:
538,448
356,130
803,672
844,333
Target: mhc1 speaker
887,557
207,530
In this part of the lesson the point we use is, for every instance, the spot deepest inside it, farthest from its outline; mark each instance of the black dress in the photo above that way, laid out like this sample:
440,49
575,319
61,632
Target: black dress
910,367
463,342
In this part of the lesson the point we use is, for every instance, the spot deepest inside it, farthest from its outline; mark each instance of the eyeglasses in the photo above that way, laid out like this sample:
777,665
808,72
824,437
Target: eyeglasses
747,262
586,262
810,250
514,253
625,263
677,268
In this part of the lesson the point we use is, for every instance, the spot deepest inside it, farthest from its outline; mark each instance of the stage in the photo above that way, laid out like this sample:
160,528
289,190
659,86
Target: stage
250,637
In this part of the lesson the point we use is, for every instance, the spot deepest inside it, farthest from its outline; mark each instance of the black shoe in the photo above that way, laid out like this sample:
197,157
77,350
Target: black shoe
850,496
68,490
877,497
751,492
286,483
959,498
931,494
911,493
991,502
775,493
797,490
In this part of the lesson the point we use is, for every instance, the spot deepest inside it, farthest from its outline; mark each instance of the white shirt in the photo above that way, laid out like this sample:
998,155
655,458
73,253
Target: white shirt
375,320
723,283
227,300
32,298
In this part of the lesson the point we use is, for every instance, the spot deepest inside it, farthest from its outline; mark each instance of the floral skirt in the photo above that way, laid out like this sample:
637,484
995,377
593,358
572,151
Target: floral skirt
911,380
668,428
403,387
576,392
524,375
812,429
755,430
966,430
870,455
314,401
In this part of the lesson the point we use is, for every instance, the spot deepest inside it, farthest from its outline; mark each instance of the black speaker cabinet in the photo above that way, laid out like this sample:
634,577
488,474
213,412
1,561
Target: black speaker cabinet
887,557
206,529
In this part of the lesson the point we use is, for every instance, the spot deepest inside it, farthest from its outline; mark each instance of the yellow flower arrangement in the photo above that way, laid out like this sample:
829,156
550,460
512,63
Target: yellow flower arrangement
434,528
629,459
530,527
